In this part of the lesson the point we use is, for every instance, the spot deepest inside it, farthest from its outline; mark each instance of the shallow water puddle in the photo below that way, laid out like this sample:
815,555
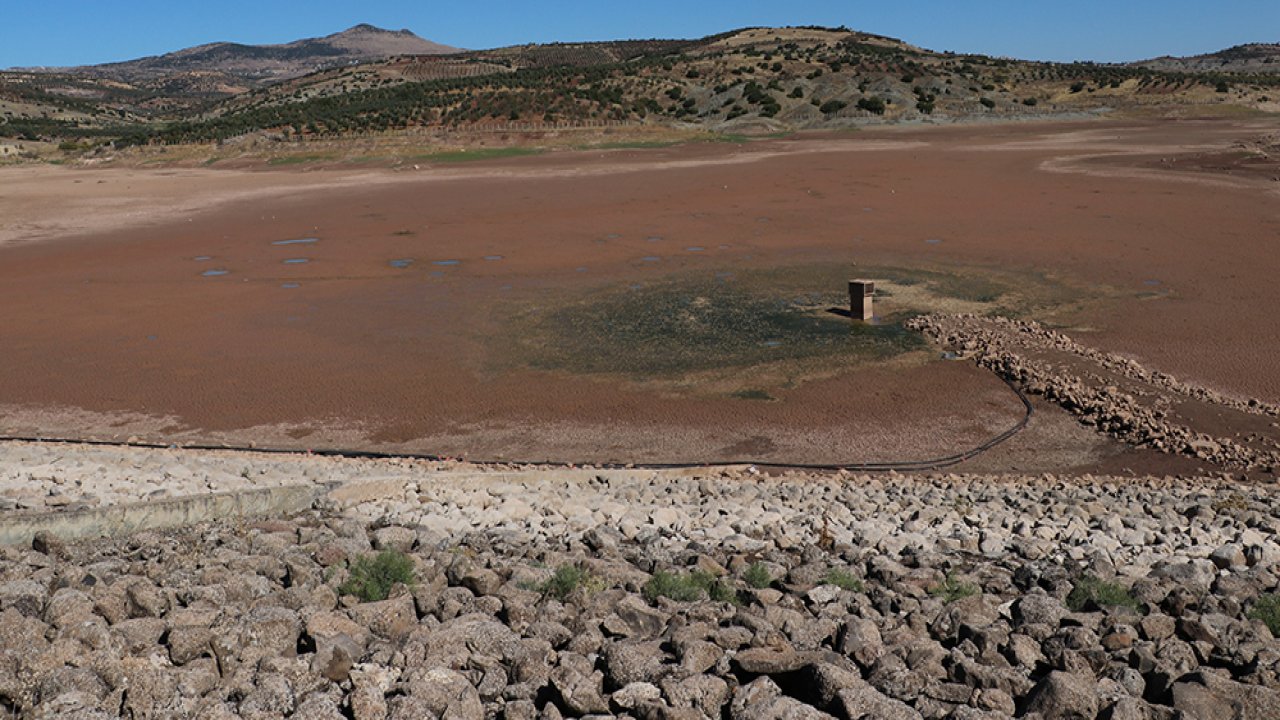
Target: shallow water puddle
297,241
401,264
297,261
493,258
290,286
446,262
214,273
202,258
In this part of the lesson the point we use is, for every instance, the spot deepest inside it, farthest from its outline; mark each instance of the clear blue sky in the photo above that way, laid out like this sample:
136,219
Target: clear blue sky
73,32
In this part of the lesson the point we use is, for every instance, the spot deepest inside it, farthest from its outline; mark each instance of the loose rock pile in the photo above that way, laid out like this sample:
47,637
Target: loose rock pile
878,598
1014,350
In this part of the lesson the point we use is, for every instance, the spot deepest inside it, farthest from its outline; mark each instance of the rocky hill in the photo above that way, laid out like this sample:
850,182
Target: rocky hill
755,80
752,80
77,101
255,64
1250,58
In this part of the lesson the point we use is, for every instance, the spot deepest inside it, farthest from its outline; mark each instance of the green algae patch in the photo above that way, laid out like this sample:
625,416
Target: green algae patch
688,326
748,332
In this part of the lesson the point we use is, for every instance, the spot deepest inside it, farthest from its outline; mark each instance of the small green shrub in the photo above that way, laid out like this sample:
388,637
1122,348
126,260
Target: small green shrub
844,580
687,587
567,580
872,105
721,591
952,589
372,576
757,576
1267,609
1091,591
832,106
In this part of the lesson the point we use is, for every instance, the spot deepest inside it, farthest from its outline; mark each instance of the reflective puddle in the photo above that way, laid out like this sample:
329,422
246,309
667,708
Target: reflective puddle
695,248
401,263
297,241
214,273
290,286
493,258
446,262
297,261
202,258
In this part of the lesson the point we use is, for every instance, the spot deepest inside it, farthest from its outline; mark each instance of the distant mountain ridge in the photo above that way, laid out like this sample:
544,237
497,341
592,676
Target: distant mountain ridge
1248,58
256,64
751,80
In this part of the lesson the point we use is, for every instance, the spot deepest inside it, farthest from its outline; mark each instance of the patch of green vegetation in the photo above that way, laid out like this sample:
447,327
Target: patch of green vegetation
631,145
757,576
298,159
694,325
458,156
568,580
1267,609
688,587
735,138
1090,592
952,589
372,577
782,318
843,579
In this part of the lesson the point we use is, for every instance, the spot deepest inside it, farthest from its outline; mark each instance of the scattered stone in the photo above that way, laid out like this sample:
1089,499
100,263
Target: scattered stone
244,619
1064,696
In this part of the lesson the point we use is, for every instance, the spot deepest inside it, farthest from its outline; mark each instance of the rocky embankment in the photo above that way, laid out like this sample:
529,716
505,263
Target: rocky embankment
724,595
1115,394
